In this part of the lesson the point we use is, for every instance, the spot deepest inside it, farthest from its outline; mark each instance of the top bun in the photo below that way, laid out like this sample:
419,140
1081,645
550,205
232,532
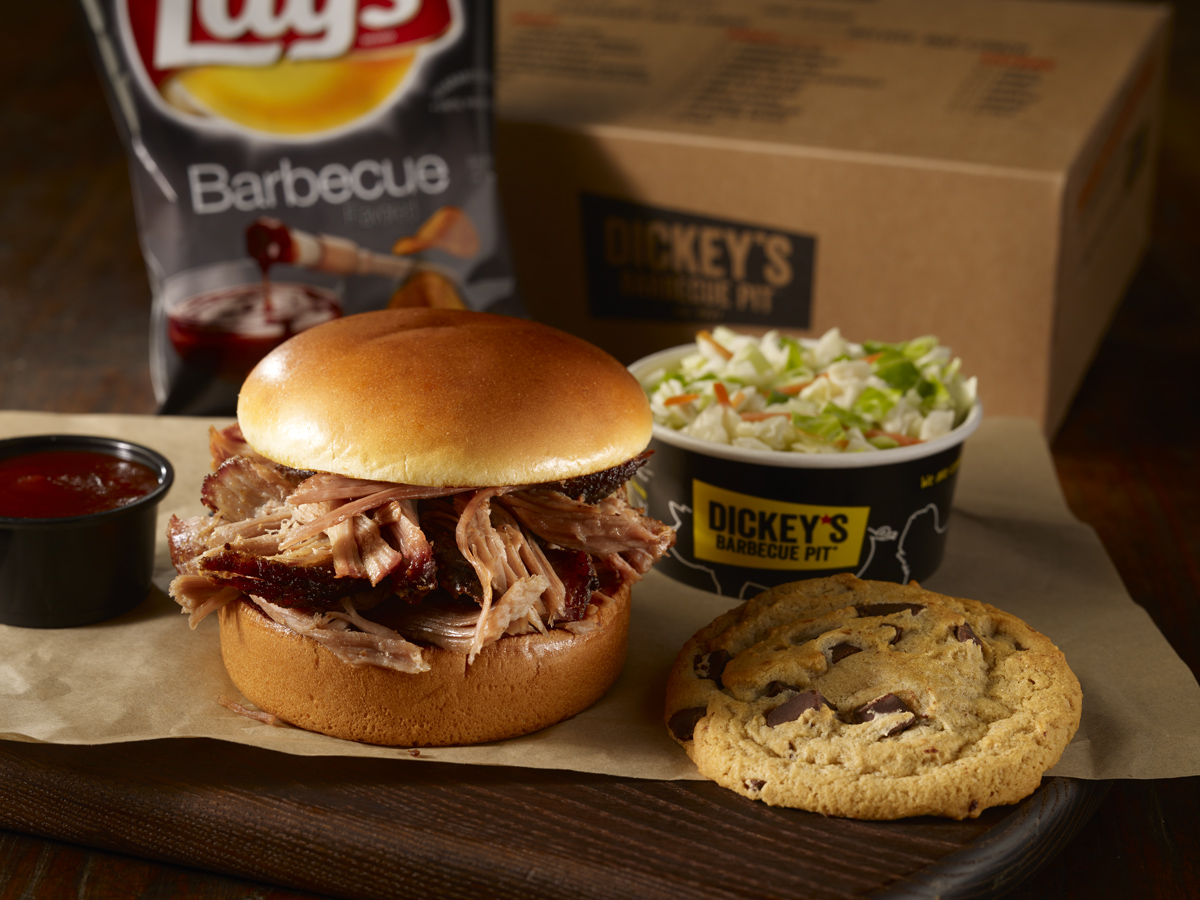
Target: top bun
443,397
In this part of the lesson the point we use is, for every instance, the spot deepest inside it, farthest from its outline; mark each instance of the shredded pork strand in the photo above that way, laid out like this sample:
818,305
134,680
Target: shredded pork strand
588,622
608,527
524,558
373,644
347,560
241,488
327,486
199,597
378,558
517,607
480,544
447,627
257,715
228,442
366,504
399,518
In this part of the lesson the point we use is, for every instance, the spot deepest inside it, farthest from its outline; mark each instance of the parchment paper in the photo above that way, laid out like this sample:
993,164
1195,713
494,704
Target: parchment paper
1012,543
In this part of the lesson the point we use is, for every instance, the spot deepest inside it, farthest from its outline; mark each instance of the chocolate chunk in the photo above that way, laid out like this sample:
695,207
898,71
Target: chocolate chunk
886,609
965,633
683,723
754,784
888,703
778,687
711,665
880,706
794,708
902,725
838,652
896,637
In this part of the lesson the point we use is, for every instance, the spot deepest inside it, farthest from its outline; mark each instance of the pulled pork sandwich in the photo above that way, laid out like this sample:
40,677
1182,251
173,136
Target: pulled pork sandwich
420,532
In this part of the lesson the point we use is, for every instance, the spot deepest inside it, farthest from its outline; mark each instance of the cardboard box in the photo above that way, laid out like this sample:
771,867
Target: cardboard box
980,171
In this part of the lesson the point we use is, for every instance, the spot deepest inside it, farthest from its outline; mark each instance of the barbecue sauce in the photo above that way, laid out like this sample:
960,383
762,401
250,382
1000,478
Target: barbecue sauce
227,331
269,241
56,484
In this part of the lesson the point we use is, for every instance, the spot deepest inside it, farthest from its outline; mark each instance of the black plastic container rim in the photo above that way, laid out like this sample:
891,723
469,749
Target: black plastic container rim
785,459
121,449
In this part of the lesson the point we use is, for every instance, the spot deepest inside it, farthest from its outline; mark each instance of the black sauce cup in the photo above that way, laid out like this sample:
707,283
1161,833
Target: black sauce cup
77,570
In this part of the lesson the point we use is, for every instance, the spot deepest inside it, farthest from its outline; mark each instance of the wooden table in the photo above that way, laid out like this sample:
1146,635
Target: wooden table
74,338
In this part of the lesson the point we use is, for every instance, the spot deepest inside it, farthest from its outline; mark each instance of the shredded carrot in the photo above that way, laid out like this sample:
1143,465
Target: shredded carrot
680,399
737,399
761,416
725,352
873,357
722,394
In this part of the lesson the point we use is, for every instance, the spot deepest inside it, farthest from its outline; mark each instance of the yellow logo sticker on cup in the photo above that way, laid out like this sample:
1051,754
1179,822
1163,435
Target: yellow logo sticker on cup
743,530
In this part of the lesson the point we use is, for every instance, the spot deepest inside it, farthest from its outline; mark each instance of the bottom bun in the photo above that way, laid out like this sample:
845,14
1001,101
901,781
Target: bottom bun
516,685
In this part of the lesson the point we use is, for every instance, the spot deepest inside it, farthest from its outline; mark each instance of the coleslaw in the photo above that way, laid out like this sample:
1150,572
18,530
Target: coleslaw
778,393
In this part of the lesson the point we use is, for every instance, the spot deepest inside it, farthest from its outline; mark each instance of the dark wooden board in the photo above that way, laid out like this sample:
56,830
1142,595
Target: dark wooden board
366,828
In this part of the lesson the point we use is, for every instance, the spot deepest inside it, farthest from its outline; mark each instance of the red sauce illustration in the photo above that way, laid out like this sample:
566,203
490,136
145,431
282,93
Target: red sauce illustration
225,332
269,241
55,484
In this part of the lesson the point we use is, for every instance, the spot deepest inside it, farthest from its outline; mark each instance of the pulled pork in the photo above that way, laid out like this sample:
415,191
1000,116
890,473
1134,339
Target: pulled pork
314,551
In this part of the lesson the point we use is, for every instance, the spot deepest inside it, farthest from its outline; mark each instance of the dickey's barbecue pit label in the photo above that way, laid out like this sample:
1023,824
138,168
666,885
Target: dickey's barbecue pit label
645,262
743,530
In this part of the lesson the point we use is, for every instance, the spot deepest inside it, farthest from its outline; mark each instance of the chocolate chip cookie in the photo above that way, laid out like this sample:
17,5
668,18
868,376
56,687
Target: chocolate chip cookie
872,700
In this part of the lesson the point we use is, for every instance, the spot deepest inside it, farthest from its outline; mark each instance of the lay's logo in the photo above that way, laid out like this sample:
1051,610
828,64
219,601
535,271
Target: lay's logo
744,530
283,67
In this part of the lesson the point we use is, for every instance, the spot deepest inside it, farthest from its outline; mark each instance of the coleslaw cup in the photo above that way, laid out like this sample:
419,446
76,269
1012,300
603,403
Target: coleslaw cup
747,520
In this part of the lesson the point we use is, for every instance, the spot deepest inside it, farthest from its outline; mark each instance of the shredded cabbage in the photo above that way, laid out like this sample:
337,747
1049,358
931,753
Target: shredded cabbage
823,396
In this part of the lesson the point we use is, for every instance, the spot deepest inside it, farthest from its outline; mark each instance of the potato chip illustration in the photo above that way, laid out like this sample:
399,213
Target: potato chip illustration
291,98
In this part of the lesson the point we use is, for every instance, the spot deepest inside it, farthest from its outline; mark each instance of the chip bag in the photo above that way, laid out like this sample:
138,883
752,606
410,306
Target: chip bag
293,161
